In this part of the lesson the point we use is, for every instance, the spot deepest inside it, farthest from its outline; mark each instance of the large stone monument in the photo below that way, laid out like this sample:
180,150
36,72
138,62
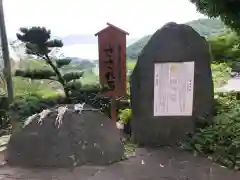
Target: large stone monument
171,86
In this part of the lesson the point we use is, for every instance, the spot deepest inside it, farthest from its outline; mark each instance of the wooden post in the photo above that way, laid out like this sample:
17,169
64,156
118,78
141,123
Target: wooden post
113,109
112,63
5,54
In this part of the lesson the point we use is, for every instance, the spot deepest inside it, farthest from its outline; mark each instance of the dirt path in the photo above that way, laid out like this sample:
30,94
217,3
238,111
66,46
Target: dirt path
161,164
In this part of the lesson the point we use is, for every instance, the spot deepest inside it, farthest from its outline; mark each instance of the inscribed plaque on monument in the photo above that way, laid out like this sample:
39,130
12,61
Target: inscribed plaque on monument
173,89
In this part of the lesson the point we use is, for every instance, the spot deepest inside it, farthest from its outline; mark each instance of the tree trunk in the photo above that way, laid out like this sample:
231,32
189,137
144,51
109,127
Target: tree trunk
60,78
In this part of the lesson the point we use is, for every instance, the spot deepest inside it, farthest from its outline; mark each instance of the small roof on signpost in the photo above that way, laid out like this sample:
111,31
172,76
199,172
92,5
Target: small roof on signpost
112,26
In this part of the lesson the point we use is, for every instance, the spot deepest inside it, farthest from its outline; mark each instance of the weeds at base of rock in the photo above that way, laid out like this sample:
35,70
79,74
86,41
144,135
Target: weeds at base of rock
129,150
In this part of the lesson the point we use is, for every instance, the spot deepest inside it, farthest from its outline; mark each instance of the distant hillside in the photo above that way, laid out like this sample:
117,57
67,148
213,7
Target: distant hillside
208,27
205,27
76,59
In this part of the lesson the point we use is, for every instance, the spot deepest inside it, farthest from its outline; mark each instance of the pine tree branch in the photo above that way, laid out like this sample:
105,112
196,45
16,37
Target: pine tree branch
60,78
62,62
72,76
36,74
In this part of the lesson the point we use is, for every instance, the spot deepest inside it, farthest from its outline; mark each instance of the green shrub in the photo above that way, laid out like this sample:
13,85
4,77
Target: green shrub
28,105
220,73
221,140
125,116
92,95
224,102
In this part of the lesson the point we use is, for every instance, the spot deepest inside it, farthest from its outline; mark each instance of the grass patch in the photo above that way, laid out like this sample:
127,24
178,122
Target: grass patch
129,149
131,64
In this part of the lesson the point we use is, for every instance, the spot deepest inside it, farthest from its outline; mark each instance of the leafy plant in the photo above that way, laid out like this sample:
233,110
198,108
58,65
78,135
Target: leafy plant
225,102
220,74
28,105
125,115
221,140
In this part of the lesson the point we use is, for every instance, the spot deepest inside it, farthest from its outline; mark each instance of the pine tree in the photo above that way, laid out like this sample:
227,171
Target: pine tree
38,42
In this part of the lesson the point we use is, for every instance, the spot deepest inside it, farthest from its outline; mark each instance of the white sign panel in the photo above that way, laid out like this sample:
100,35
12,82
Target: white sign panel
173,89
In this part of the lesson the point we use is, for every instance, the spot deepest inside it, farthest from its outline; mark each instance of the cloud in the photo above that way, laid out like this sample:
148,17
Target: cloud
63,17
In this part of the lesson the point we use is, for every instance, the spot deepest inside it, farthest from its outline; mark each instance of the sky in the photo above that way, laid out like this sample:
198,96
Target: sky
65,17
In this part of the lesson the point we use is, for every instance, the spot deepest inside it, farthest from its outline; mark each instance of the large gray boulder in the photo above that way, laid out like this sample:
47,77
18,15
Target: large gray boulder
87,138
175,43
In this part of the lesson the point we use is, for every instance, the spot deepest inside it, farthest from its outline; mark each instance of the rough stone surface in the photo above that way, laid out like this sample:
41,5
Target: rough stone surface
87,138
172,43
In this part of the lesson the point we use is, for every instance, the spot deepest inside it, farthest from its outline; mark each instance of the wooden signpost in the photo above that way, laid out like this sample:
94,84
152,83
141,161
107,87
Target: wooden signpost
112,63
